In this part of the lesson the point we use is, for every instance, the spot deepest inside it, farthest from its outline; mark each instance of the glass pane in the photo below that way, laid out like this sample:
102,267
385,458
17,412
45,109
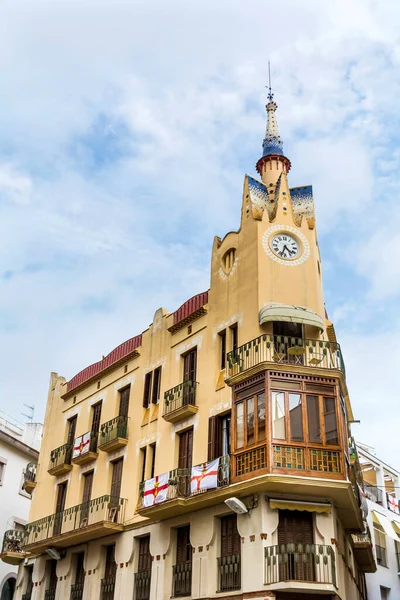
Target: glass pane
250,421
226,435
239,426
261,416
321,389
278,416
331,432
314,427
296,417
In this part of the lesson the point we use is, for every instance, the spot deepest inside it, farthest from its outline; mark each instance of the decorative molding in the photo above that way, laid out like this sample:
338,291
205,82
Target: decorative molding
161,362
236,318
196,341
273,229
224,276
221,407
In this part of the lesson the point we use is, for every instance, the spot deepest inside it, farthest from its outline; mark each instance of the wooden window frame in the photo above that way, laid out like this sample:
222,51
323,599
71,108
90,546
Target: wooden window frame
148,381
222,349
156,386
246,394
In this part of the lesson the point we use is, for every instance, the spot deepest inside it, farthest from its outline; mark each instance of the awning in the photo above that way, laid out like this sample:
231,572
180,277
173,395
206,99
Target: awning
384,522
396,526
318,507
290,314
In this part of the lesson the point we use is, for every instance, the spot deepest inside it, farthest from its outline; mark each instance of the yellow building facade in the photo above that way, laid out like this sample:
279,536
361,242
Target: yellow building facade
210,455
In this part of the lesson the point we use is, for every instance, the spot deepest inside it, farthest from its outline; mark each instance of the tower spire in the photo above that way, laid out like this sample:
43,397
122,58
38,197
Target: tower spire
272,143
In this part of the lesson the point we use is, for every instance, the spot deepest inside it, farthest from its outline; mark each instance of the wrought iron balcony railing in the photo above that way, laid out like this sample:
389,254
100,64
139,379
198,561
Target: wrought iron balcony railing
280,349
13,541
104,509
373,493
107,588
142,585
77,590
180,396
27,595
300,562
182,580
114,429
229,573
50,594
179,484
61,456
30,472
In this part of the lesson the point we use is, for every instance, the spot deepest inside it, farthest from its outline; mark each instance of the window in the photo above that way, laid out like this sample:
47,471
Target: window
21,484
380,545
124,401
94,432
278,416
295,527
3,462
229,561
234,337
50,592
228,260
107,588
295,418
143,574
144,561
385,593
152,387
60,505
143,453
397,550
250,417
155,396
182,571
314,425
219,436
116,480
222,349
153,460
147,389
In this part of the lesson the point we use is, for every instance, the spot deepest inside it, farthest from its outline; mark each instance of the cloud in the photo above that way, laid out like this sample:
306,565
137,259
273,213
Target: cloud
125,133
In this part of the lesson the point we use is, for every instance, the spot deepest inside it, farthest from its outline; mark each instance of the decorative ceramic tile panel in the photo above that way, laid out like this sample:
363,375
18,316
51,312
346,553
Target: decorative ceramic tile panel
288,457
303,205
250,461
260,197
325,460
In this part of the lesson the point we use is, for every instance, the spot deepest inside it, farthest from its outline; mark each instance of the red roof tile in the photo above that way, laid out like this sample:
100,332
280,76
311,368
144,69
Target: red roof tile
190,306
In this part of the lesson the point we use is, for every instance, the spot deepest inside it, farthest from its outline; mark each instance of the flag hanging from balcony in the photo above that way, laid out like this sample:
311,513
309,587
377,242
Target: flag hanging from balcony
204,476
155,490
393,504
81,445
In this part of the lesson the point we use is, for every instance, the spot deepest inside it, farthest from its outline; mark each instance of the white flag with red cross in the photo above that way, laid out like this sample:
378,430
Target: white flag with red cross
155,490
393,504
204,476
81,445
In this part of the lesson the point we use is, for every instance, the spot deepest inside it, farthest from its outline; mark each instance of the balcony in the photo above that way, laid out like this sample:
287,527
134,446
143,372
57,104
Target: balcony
114,434
297,567
229,573
30,478
258,355
27,595
142,585
60,460
373,493
12,552
159,498
362,548
77,590
180,401
81,523
107,588
85,448
392,503
182,580
50,594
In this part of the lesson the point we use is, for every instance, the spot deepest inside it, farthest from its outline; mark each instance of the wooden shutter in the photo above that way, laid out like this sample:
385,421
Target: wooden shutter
185,449
111,565
144,563
71,430
29,585
124,401
296,527
80,570
87,488
52,575
183,546
190,366
61,496
155,395
96,416
146,391
116,479
212,438
230,538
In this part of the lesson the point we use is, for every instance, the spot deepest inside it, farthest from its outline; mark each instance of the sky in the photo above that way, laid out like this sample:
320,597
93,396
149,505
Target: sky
126,129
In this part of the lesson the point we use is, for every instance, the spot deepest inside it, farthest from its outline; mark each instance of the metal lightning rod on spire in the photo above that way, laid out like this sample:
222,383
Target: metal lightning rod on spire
270,94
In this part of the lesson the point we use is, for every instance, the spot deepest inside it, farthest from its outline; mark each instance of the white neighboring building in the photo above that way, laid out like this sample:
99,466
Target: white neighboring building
19,445
381,484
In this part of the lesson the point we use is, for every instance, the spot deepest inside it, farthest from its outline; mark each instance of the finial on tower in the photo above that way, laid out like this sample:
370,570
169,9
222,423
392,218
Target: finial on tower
270,94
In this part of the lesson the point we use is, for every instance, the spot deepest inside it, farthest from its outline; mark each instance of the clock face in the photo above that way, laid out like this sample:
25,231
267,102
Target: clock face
285,246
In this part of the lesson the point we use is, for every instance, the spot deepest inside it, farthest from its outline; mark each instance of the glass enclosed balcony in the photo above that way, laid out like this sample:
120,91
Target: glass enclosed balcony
77,524
283,350
180,401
